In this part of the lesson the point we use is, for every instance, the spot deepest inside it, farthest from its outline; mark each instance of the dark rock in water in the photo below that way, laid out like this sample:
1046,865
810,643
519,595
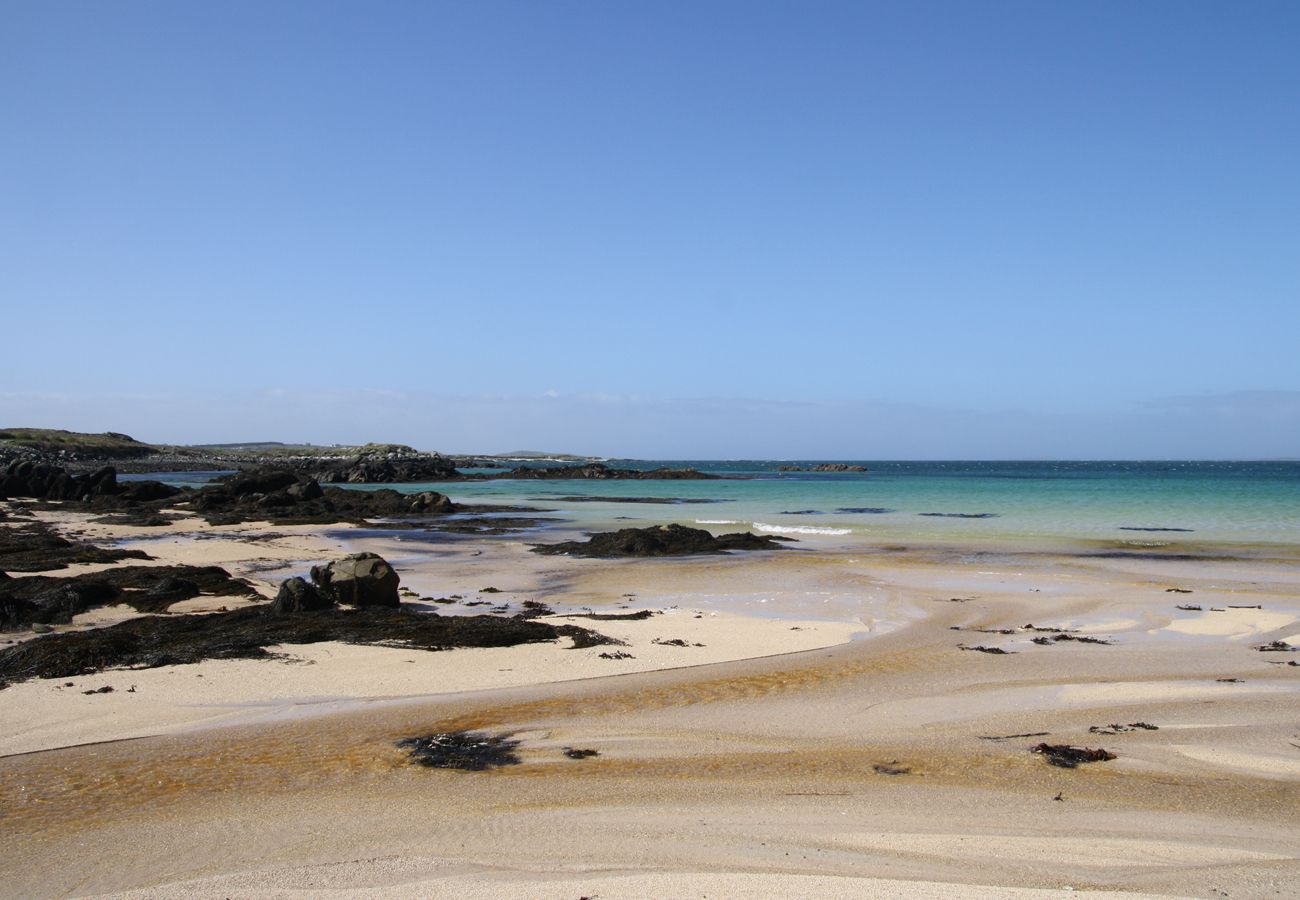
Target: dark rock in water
362,579
1066,757
299,595
468,751
283,497
661,540
150,641
872,510
824,467
944,515
431,502
802,512
27,478
1136,528
258,481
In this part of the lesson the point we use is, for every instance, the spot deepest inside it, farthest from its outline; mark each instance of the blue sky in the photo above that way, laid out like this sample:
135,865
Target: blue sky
935,229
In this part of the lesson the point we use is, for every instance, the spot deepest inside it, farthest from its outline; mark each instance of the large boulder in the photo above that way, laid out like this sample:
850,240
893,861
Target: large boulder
299,595
362,579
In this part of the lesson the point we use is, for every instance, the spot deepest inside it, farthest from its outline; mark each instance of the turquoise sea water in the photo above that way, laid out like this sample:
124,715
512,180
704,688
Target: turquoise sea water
1215,501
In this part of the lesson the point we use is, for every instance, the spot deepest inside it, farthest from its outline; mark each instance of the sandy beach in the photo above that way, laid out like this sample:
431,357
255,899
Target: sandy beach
813,723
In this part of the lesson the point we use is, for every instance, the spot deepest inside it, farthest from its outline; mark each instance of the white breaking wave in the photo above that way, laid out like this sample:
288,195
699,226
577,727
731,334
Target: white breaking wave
799,529
717,522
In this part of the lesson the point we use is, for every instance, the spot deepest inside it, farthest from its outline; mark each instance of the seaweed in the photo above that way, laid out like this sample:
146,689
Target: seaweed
468,751
1057,638
1120,729
579,753
613,617
997,651
50,599
1064,756
152,641
35,547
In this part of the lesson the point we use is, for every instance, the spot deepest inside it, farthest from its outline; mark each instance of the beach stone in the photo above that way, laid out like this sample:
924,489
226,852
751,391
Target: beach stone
362,579
299,595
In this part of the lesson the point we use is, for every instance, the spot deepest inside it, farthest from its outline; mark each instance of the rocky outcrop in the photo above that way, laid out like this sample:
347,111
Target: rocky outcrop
362,579
286,497
600,471
39,481
387,466
824,467
661,540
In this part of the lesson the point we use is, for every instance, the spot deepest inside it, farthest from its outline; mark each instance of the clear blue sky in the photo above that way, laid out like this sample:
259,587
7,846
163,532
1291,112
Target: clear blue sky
938,229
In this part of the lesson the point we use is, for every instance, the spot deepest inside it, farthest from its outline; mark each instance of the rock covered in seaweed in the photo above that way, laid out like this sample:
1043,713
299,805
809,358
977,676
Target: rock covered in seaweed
362,579
660,540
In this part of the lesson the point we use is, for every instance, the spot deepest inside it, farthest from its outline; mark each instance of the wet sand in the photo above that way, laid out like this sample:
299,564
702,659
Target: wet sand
728,778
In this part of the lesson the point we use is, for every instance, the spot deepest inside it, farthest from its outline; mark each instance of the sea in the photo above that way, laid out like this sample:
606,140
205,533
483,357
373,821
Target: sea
1255,502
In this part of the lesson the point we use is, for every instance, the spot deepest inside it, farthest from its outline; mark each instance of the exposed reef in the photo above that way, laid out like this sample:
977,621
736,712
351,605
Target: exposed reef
660,540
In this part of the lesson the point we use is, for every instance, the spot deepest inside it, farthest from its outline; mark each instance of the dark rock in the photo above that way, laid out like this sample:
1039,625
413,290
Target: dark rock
824,467
362,579
429,502
305,490
661,540
299,595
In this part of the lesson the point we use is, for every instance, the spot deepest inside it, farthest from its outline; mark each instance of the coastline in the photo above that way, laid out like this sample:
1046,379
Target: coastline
746,755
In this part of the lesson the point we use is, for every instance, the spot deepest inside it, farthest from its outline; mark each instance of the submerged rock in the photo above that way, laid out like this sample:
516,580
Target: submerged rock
661,540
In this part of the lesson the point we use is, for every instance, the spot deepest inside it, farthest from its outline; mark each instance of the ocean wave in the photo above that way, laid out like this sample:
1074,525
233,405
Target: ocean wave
798,529
716,522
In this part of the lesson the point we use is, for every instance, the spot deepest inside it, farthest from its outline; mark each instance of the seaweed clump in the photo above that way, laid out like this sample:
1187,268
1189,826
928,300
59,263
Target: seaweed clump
469,751
152,641
1063,756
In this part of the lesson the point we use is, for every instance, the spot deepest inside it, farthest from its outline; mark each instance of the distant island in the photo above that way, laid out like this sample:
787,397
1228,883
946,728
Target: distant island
365,464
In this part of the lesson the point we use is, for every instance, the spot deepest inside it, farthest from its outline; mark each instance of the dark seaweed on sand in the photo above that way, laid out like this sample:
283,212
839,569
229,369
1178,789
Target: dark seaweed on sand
152,641
1063,756
469,751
